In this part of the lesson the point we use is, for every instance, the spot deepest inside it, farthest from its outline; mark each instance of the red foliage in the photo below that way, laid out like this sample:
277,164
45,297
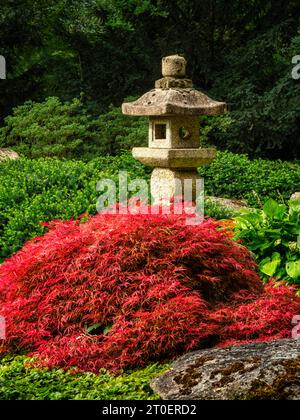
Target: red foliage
146,287
253,318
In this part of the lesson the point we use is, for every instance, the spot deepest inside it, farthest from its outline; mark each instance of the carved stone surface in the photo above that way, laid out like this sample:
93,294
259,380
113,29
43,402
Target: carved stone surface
168,183
174,66
174,107
174,95
170,102
173,158
255,371
181,132
172,82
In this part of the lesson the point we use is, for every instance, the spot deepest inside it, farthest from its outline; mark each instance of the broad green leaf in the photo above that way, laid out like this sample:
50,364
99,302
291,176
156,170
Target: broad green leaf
269,268
293,269
92,328
274,210
262,246
107,329
295,205
252,218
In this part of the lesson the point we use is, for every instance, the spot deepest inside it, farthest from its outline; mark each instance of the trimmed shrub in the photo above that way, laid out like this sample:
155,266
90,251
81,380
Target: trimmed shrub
121,291
236,176
20,382
67,130
120,132
50,128
34,191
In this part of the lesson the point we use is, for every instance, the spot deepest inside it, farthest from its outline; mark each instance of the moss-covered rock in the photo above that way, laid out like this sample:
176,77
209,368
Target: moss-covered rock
257,371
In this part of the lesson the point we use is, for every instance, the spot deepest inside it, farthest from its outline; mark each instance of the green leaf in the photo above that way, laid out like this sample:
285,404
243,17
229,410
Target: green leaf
295,205
274,210
293,269
107,329
269,267
92,328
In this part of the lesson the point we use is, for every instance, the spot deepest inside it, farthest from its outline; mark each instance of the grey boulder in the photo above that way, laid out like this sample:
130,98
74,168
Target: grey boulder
256,371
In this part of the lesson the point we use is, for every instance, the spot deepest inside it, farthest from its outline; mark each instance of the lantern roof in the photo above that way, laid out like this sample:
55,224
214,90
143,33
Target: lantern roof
174,94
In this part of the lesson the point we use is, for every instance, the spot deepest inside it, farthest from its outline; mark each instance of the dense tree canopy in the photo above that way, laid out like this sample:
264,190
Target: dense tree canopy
239,51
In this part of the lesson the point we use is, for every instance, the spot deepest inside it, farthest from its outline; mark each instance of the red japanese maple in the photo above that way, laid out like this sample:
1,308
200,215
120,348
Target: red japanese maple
121,291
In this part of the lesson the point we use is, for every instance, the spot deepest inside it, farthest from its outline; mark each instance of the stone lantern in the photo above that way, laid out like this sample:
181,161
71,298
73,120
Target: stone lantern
173,108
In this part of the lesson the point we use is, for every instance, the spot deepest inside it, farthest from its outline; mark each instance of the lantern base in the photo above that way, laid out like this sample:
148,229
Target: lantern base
167,184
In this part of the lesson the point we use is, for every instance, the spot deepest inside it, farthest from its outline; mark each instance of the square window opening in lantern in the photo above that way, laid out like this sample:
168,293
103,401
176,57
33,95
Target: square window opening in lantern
160,131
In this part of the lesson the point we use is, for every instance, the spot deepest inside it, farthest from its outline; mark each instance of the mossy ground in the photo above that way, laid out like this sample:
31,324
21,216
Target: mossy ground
18,381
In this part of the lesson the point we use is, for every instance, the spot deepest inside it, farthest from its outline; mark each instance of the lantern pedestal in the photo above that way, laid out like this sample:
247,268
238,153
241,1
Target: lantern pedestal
175,173
167,184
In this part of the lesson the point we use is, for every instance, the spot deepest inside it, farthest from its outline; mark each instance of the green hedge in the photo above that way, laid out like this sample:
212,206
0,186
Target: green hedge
34,191
68,130
236,176
19,382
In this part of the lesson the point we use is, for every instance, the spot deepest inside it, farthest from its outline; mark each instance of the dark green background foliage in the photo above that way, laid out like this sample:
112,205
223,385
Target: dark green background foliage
37,190
238,51
261,94
20,382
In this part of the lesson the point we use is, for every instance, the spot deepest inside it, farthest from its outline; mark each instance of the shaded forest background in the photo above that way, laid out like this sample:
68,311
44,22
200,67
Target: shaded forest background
106,50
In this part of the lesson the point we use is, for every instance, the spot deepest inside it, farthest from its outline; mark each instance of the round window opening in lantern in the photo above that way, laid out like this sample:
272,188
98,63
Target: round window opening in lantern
184,134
